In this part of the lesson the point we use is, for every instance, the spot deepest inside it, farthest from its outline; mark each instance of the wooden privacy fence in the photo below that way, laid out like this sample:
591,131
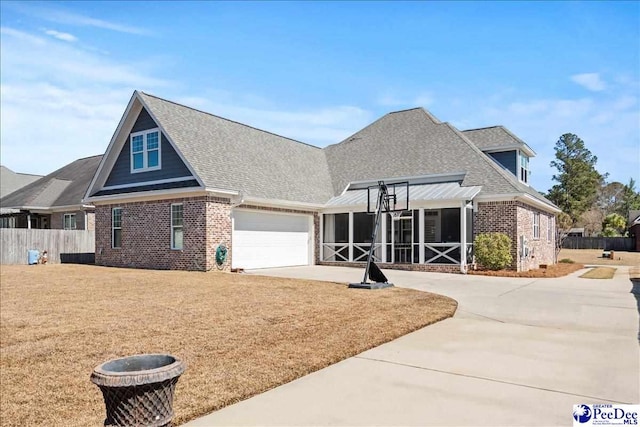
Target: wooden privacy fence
74,246
608,243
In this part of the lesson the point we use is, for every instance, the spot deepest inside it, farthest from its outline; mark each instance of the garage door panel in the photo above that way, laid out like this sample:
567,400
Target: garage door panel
262,240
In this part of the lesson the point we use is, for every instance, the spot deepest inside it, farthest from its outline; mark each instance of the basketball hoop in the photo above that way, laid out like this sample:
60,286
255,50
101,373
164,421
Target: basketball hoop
395,215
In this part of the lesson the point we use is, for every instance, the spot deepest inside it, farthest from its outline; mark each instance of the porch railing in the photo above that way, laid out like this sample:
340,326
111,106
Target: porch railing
335,252
361,250
435,253
442,253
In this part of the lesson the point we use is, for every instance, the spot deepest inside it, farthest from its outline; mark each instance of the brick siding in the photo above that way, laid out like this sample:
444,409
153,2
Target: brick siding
146,234
515,219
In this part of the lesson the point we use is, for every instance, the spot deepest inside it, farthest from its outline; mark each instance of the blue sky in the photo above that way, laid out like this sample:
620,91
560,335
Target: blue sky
318,72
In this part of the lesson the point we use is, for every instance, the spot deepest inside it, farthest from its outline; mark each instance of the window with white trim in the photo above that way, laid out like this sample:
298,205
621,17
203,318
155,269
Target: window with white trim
536,225
176,226
69,221
145,151
116,227
549,228
524,168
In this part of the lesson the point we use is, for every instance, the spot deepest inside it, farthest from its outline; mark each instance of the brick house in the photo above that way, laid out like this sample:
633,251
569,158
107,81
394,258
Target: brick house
175,183
53,201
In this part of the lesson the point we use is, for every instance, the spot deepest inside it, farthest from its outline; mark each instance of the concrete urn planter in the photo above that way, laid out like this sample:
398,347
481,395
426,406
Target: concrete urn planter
138,390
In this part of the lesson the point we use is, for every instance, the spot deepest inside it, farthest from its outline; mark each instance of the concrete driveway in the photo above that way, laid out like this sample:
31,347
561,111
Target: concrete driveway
517,352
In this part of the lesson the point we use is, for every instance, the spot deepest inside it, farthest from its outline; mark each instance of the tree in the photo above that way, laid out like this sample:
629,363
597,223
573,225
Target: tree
613,225
610,197
630,199
578,180
591,221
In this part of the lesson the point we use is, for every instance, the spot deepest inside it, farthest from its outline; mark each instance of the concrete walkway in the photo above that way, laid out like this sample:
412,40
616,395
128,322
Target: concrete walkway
517,352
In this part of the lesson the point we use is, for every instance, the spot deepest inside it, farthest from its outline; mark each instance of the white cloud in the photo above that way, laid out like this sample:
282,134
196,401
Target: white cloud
590,81
86,21
60,102
60,16
61,36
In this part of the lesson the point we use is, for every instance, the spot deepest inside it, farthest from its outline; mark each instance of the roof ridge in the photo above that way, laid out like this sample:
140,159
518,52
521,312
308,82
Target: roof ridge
229,120
405,110
350,137
483,128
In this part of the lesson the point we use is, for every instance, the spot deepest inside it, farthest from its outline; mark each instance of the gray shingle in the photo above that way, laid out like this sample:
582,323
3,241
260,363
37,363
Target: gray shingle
495,137
232,156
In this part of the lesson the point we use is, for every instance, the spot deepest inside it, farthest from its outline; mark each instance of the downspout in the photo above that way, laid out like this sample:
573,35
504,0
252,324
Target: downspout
236,201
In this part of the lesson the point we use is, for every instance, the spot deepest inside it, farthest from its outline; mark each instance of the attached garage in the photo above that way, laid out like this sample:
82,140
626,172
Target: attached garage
266,239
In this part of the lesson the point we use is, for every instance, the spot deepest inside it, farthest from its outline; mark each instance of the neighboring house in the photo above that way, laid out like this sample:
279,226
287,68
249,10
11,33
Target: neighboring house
11,181
576,232
53,201
176,182
634,227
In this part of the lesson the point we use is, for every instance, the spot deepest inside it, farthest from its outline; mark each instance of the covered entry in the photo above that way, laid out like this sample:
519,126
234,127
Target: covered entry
267,239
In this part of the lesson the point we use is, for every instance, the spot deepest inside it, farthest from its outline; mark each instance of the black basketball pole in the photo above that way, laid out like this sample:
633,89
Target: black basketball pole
383,203
382,197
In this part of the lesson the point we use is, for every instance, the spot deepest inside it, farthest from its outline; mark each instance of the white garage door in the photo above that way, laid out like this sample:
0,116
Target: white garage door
262,240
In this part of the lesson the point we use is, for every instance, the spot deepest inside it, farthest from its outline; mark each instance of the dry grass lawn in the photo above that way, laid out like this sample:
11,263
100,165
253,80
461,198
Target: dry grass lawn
599,273
594,256
239,335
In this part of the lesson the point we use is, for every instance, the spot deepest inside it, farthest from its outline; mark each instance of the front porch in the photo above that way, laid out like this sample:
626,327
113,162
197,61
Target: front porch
426,238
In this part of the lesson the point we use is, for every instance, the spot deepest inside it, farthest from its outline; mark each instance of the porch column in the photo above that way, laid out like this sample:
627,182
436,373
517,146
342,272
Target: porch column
383,238
321,237
29,221
463,237
393,243
350,236
421,235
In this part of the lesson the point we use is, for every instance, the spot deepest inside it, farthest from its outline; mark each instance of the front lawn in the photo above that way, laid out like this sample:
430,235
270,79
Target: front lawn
238,334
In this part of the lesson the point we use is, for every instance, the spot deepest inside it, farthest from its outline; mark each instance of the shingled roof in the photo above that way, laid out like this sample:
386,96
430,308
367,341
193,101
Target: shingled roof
64,187
496,138
227,155
11,181
233,156
411,143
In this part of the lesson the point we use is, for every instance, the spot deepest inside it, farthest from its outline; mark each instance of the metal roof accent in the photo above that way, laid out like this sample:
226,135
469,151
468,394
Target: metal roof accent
417,193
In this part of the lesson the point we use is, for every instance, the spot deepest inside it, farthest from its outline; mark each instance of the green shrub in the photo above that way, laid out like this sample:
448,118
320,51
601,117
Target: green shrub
567,261
493,250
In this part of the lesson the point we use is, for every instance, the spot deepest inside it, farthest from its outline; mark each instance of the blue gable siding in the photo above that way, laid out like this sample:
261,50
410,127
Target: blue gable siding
172,165
506,159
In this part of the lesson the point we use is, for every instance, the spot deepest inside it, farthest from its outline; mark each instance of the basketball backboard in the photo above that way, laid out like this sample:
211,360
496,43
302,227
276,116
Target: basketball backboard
396,197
